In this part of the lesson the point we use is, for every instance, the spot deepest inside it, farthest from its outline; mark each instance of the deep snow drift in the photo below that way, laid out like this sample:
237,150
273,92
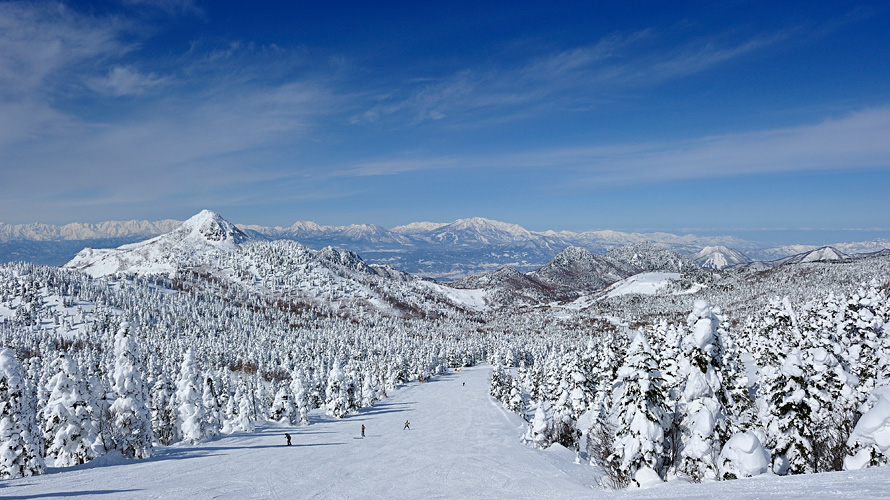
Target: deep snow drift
461,444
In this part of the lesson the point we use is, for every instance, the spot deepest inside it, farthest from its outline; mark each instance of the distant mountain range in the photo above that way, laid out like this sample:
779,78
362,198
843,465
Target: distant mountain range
448,251
209,251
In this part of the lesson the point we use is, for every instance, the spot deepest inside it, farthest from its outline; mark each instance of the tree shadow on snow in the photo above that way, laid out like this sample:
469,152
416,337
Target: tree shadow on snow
63,494
386,408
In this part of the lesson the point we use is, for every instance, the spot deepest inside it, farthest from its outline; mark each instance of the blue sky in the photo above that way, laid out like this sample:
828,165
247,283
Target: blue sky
736,117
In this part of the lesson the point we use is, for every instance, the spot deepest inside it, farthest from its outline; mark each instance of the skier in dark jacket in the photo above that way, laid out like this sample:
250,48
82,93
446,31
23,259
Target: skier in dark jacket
363,430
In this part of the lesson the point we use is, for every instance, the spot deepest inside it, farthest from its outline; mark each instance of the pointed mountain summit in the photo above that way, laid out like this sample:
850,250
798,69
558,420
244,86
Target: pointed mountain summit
719,257
477,230
196,238
210,227
821,254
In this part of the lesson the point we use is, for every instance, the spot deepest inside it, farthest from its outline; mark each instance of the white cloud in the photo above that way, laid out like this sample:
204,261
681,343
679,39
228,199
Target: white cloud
125,80
856,141
577,75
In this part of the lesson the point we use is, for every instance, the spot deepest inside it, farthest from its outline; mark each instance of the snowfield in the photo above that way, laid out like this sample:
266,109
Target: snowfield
643,283
462,444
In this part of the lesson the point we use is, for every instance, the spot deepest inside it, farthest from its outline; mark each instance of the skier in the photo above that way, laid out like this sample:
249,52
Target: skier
288,438
363,430
407,423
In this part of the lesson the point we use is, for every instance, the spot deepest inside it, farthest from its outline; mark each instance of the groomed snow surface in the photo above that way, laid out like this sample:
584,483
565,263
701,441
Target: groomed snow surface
461,445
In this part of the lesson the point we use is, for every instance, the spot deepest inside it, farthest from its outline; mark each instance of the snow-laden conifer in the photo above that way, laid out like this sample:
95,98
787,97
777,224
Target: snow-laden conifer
69,432
163,411
301,396
20,441
703,399
130,416
192,416
638,414
786,413
336,401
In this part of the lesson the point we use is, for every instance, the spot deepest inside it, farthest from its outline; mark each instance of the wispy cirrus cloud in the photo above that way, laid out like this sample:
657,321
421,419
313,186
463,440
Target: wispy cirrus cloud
856,141
574,76
126,80
63,72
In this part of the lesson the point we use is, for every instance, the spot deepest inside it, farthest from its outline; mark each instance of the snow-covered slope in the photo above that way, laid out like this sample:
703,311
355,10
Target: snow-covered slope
461,444
719,257
418,227
821,254
477,230
198,237
643,284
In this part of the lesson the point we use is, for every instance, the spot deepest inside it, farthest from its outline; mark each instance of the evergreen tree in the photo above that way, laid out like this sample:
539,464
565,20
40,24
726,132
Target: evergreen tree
130,415
242,420
638,413
336,402
191,420
69,432
787,415
163,414
20,441
703,424
301,397
211,404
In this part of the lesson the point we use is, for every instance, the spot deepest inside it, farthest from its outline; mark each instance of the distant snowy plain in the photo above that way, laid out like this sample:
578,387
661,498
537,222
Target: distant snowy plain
462,444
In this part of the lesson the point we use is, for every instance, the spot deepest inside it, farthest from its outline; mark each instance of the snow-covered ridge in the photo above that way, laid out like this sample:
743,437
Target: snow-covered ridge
196,238
83,231
719,257
444,251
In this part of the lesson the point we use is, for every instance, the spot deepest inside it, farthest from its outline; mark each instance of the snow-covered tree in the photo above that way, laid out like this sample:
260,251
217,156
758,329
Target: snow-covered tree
300,397
130,415
283,409
242,420
20,441
703,422
638,414
337,403
192,416
786,412
212,406
69,431
163,411
540,429
868,443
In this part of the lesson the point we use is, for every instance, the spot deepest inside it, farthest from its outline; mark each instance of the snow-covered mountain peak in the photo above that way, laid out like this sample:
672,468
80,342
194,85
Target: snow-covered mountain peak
418,227
487,225
307,226
578,268
719,257
478,230
201,234
209,226
824,254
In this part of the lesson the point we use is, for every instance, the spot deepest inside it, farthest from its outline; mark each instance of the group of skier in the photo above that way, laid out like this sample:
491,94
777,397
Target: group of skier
407,426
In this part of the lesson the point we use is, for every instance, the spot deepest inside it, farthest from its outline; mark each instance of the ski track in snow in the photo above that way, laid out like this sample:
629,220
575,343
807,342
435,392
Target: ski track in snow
462,444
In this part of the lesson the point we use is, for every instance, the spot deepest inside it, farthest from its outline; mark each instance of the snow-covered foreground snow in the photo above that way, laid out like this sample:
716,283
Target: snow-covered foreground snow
461,445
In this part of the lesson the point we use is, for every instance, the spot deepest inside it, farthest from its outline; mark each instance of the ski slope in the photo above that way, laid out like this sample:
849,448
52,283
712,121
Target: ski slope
461,445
